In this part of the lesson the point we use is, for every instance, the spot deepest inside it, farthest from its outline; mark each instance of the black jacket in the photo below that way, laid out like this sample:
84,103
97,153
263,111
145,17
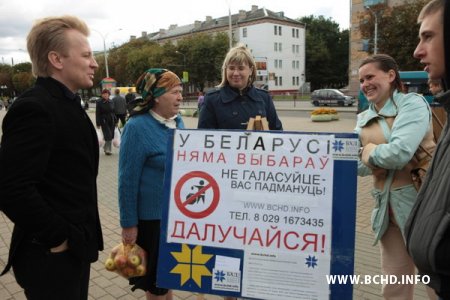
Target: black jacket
105,117
226,108
48,167
427,230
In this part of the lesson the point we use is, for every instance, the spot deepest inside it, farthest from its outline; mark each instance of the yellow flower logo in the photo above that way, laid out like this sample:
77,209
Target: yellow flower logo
191,264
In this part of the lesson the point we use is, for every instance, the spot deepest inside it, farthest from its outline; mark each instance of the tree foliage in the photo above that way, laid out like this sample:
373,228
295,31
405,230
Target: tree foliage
326,53
200,55
15,78
397,31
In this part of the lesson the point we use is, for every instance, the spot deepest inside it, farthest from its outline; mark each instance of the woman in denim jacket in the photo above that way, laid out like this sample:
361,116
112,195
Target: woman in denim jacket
390,131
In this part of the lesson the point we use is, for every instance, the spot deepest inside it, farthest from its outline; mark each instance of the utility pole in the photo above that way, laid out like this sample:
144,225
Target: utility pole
105,53
375,38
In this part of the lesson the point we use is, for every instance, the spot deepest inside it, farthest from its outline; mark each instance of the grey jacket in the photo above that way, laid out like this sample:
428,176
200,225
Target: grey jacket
120,105
427,230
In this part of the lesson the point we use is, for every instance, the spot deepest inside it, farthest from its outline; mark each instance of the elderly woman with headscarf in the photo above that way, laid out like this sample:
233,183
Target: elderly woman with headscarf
142,165
237,100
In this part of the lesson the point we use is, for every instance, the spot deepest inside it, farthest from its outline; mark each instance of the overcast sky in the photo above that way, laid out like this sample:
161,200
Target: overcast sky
135,16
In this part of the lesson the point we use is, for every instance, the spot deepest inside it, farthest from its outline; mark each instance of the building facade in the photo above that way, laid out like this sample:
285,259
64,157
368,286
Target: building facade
276,42
358,46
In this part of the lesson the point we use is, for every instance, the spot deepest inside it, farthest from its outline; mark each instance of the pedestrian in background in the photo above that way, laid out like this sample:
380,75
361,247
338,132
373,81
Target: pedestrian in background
130,99
428,227
120,107
390,132
130,96
434,86
106,119
237,100
141,169
49,165
200,100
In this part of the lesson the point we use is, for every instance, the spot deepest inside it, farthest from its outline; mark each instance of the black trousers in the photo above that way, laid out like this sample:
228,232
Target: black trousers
122,118
50,276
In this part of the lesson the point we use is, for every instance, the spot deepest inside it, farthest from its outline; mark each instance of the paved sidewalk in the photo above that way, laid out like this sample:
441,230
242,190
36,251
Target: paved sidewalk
106,285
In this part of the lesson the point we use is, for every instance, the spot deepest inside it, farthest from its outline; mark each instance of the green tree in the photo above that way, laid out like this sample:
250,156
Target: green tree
204,57
6,80
397,31
22,77
16,78
326,57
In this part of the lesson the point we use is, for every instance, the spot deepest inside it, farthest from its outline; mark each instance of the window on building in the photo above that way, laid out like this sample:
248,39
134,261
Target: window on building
293,64
244,32
293,80
279,47
297,49
275,47
297,79
365,45
297,64
276,63
275,30
279,30
276,81
280,81
280,63
372,2
296,33
293,32
293,48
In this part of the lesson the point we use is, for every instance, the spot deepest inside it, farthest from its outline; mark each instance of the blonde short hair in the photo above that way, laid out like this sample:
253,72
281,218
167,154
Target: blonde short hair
431,8
239,54
47,35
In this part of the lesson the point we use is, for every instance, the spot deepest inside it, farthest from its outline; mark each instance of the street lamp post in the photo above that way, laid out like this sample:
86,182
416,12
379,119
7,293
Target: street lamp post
375,38
230,32
104,48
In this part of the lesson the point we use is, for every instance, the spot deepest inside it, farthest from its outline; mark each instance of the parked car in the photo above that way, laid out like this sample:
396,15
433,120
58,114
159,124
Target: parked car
93,99
331,97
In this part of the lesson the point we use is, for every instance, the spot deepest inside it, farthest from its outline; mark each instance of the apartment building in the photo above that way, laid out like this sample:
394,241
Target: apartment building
276,41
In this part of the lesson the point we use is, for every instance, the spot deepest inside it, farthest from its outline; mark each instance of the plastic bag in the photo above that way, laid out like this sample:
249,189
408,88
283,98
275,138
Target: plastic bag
116,139
127,260
101,138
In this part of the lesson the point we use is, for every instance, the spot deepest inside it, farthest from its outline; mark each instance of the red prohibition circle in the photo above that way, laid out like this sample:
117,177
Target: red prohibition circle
182,203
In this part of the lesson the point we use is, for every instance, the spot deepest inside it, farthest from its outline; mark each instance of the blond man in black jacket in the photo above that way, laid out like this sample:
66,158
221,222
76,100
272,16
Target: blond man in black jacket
48,167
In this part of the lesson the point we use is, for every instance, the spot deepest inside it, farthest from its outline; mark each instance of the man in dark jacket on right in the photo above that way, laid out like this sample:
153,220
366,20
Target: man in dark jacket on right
427,231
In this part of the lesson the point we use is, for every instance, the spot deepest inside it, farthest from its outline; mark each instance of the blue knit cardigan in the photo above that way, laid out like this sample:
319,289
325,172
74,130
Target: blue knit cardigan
142,161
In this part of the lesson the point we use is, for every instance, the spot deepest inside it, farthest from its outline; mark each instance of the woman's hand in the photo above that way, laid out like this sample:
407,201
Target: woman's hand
365,154
129,235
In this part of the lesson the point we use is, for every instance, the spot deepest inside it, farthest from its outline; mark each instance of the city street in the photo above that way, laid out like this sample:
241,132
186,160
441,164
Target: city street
105,285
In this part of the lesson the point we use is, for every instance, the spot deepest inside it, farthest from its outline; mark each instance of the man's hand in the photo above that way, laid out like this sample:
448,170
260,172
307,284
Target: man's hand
61,248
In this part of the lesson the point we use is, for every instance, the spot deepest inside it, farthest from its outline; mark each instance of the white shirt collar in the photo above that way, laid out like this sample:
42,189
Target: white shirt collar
171,123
